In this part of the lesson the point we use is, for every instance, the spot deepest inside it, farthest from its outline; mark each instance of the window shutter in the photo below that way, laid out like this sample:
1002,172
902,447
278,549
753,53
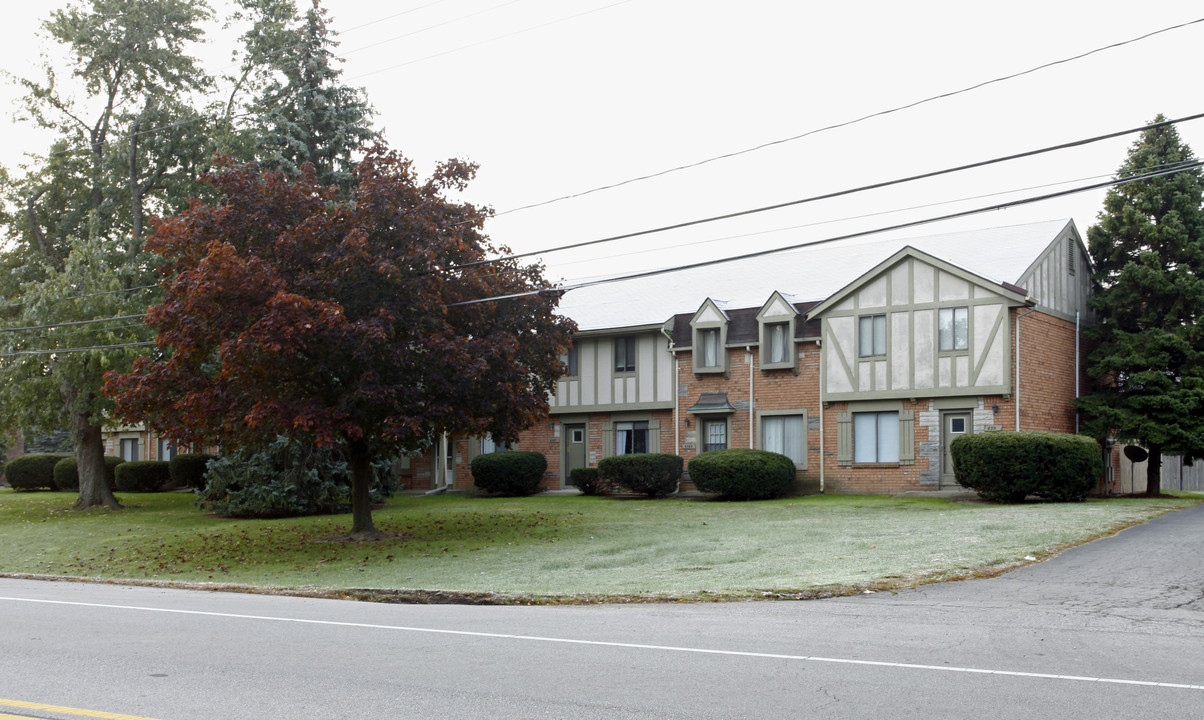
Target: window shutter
608,439
654,436
474,448
907,435
844,439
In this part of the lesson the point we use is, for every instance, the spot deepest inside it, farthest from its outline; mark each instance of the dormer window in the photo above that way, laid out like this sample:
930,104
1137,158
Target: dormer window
709,339
871,335
776,323
710,347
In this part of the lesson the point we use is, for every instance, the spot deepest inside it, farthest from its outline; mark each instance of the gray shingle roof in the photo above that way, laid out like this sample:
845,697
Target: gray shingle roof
810,274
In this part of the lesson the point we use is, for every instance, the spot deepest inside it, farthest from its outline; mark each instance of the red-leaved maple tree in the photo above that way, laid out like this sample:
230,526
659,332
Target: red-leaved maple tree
288,310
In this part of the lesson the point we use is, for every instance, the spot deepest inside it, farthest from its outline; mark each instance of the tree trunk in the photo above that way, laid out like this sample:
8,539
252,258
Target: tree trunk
361,486
1153,472
90,457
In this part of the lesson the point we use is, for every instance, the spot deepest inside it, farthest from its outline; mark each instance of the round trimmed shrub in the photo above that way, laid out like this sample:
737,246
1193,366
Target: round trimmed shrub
143,475
189,469
66,473
651,474
1010,466
588,481
34,471
742,474
513,473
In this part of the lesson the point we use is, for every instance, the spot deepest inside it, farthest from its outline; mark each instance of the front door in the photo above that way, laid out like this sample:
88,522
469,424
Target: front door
574,449
953,425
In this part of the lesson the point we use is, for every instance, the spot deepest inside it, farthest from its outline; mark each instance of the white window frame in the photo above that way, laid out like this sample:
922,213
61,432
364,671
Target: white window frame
707,425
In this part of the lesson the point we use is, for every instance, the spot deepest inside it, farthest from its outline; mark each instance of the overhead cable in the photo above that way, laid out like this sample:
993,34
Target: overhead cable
561,290
838,193
847,123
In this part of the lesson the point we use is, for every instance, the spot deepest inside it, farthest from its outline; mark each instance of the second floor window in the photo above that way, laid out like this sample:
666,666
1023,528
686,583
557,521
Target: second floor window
775,335
953,328
871,334
710,347
625,354
571,360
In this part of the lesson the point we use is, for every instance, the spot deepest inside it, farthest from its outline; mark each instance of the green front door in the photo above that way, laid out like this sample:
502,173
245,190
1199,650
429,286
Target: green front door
574,449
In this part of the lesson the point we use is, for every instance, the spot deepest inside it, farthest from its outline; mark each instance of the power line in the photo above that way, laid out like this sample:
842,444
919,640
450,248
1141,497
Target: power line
559,291
828,196
847,123
84,295
492,39
76,349
74,322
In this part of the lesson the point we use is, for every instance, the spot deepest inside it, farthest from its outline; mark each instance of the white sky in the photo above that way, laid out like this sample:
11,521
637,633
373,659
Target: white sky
552,99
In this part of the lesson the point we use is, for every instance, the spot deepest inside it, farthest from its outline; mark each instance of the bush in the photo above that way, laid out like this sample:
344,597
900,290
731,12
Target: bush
143,475
34,471
66,473
588,481
286,478
188,470
743,474
512,473
651,474
1009,466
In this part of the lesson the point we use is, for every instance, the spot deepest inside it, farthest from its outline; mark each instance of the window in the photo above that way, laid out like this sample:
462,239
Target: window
876,437
715,432
488,446
167,449
953,328
710,347
631,437
775,335
872,335
129,449
785,434
625,354
571,360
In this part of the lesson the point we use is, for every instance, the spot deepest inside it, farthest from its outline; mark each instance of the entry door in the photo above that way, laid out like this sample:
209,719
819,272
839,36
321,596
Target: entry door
574,449
953,425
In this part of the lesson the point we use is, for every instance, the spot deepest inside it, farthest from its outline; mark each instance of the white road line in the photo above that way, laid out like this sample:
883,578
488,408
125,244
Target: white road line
632,646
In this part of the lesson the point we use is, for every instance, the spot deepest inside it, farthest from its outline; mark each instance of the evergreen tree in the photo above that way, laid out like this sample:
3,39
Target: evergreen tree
1148,255
306,115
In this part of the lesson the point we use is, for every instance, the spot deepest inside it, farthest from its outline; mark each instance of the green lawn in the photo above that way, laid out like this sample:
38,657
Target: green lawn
547,548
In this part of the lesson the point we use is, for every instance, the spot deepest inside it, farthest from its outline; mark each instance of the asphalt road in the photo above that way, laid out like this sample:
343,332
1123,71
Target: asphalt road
1113,629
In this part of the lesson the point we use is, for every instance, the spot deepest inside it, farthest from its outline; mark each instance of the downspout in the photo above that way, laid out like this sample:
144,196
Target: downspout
819,344
1017,384
676,421
752,402
1077,372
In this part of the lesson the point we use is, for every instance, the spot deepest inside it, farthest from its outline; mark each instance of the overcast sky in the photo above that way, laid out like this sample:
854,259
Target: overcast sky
556,97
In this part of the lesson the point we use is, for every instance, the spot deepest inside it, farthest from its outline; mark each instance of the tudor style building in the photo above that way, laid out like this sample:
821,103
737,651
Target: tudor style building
861,360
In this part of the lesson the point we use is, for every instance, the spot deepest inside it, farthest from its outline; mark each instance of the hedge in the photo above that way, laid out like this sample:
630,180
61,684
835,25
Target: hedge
509,473
34,471
651,474
1009,466
742,474
143,475
189,469
66,473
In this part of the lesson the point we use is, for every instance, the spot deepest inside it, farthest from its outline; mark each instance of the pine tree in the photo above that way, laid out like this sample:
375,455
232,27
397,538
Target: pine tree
307,115
1148,255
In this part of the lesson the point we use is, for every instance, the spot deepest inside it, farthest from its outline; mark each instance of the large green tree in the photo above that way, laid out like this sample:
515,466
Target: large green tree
290,311
1148,255
74,216
303,113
